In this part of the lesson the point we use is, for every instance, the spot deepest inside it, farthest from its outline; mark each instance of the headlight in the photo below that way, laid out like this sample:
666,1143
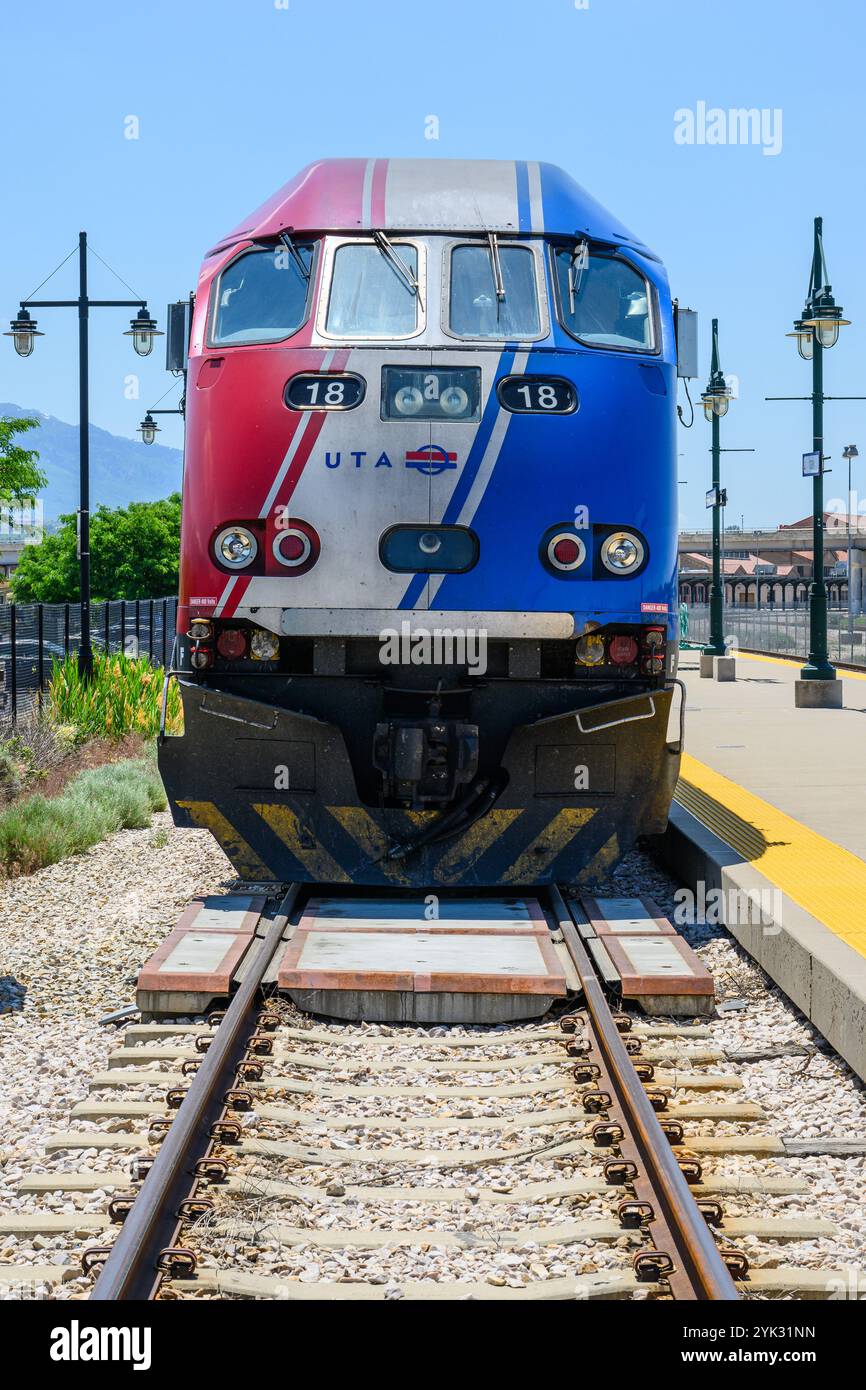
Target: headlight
454,400
622,552
408,400
264,646
590,650
236,547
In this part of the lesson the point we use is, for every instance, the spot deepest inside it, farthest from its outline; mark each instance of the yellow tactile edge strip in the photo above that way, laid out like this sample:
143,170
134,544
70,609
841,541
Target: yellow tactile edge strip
842,675
827,881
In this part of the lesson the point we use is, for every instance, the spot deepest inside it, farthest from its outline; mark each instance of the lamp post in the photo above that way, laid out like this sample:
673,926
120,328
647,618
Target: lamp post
816,331
715,401
143,331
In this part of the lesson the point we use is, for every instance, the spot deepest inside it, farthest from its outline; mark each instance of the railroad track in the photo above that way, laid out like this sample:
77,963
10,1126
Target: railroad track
248,1158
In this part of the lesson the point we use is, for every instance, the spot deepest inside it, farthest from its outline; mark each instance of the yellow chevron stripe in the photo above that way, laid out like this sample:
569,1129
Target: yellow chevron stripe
302,843
242,855
471,845
546,846
369,837
601,861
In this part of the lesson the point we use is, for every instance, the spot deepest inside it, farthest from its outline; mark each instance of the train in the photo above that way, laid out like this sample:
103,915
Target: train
427,628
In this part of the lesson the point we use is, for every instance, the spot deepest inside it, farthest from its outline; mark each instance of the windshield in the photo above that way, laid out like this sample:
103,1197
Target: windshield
603,301
371,297
262,296
477,311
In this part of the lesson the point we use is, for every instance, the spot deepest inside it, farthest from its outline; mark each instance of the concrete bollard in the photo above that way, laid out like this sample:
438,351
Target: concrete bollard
818,694
726,668
707,666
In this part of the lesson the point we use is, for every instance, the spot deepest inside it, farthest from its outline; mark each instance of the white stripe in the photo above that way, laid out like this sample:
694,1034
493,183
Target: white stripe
225,595
536,205
485,470
294,446
367,195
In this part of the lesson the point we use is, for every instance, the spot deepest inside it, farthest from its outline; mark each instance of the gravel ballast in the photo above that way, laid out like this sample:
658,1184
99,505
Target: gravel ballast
74,938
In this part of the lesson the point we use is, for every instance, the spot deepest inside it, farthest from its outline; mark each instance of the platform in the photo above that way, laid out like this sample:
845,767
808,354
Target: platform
768,829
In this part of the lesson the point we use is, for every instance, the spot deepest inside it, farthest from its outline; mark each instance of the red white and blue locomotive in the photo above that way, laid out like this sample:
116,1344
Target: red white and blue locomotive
427,625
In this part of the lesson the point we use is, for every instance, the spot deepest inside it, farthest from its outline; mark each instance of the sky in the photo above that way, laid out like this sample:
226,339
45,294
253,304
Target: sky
232,97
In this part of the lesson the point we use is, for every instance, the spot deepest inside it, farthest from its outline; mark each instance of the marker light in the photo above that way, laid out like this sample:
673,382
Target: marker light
200,630
236,547
566,551
622,650
264,645
296,547
201,658
622,552
408,400
232,643
590,650
430,543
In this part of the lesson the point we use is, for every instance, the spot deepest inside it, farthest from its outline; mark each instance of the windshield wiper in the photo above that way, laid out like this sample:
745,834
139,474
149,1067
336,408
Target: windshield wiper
496,265
406,273
579,263
295,254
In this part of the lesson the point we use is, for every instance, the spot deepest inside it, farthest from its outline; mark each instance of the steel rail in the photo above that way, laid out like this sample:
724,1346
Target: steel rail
698,1256
130,1271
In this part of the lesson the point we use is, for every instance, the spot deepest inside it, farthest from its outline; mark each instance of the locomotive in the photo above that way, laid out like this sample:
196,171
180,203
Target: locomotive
427,628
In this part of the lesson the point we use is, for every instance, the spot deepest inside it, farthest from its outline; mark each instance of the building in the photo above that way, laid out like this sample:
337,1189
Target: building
773,568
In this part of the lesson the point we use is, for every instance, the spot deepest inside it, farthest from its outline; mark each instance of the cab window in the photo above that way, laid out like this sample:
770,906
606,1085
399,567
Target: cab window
370,297
263,296
602,300
482,308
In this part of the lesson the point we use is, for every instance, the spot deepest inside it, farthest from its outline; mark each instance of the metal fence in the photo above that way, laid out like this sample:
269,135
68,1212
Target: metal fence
32,635
784,631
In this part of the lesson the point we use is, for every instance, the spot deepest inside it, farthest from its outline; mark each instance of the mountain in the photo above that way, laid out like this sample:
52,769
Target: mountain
121,470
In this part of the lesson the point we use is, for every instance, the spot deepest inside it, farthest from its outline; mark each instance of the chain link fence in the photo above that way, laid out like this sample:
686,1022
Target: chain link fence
32,635
783,631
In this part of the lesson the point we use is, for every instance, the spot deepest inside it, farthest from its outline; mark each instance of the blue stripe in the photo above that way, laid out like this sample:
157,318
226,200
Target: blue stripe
470,470
524,212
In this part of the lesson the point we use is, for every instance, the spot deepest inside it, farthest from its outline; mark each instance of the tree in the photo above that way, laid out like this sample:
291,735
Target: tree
134,553
20,478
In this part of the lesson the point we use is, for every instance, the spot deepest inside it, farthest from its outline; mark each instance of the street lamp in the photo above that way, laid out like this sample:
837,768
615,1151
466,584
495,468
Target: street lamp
149,429
822,319
142,330
24,332
715,401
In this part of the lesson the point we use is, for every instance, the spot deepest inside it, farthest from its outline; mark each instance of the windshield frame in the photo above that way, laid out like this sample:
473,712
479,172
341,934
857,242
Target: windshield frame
610,253
257,248
505,243
332,246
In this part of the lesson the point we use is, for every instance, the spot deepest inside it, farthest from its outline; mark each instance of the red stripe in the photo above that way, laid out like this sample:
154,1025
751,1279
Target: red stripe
377,201
305,447
235,596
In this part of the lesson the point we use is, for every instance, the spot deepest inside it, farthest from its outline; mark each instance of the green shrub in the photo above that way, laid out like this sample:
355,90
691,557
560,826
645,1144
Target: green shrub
117,796
124,697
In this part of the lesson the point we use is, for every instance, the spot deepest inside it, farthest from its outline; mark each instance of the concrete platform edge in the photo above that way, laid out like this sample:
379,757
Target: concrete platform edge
822,975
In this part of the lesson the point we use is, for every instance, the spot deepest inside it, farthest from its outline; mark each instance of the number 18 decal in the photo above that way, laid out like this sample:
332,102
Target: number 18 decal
538,395
321,391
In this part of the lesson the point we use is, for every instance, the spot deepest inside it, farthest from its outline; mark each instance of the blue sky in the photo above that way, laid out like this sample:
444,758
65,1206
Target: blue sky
233,96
